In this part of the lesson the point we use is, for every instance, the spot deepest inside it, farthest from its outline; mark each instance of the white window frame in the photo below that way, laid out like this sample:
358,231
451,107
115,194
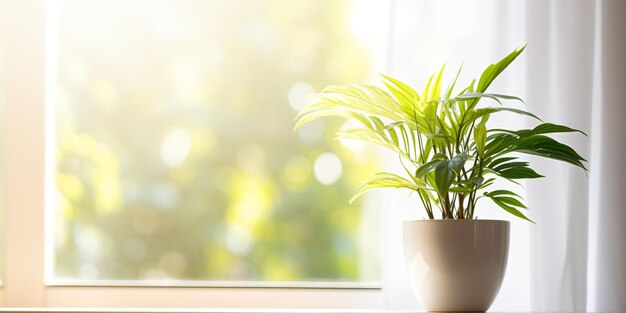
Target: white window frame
26,126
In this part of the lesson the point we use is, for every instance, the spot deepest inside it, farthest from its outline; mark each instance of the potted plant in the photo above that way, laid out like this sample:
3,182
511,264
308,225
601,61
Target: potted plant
451,160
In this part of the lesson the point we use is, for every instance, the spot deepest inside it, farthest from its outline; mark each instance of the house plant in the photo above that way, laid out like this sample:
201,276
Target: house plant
451,160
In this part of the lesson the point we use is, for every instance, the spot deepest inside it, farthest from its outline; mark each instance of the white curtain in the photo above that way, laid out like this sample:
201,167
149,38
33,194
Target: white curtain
574,73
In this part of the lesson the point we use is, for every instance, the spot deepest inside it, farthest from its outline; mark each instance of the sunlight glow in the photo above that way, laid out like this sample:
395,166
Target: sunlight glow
105,94
174,154
312,131
351,144
88,271
297,95
327,168
175,147
88,241
238,240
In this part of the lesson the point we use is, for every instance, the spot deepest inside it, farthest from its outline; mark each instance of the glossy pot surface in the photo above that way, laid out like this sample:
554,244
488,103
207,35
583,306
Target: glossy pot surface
456,265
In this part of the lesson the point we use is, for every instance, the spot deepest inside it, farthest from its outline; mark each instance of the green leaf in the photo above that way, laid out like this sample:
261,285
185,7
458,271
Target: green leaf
495,162
449,93
547,147
546,128
480,136
394,136
510,209
493,70
354,98
487,183
310,115
490,171
436,91
444,177
499,142
486,111
511,201
370,136
478,95
446,171
440,156
477,181
402,92
460,190
501,192
386,180
530,141
520,172
457,162
378,124
428,167
509,165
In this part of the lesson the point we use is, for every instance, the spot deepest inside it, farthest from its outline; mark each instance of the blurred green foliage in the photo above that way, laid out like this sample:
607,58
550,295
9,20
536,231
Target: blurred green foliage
175,151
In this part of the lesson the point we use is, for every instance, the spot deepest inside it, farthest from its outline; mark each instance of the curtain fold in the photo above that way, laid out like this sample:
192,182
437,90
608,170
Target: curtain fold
560,79
574,73
610,270
579,240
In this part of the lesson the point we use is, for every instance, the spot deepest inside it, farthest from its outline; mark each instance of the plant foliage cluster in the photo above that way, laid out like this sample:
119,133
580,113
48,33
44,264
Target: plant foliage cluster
450,156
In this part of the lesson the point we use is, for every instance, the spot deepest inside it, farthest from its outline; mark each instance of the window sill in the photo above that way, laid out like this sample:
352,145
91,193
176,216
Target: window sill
189,310
214,284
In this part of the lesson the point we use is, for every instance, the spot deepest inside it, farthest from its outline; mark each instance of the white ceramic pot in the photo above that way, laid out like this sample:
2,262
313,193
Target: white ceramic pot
456,265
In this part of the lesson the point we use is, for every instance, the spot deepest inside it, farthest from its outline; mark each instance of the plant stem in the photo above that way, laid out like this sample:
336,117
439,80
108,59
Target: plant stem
429,210
447,207
469,135
472,202
419,141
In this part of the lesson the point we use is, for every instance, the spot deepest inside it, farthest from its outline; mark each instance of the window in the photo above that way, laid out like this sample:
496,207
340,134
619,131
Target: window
175,156
41,110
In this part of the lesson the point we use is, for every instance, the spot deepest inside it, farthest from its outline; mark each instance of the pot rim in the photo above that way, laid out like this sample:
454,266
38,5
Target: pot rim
456,221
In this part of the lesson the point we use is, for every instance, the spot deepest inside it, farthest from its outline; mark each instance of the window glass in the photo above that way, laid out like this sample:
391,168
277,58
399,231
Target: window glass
175,154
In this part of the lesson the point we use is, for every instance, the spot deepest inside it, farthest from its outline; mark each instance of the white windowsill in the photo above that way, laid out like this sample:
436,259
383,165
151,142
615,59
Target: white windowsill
187,310
214,284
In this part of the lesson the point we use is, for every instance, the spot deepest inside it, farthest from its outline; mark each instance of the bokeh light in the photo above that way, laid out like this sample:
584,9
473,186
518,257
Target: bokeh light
297,95
327,168
175,147
352,144
176,156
